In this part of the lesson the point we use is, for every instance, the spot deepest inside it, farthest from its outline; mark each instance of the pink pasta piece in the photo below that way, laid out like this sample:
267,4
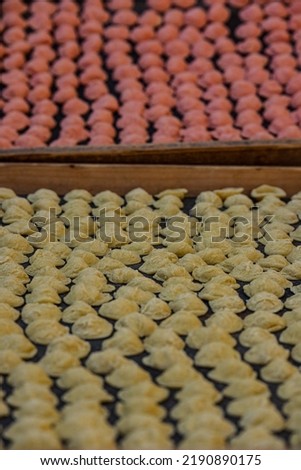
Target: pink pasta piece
219,104
70,50
184,77
283,60
166,99
13,76
257,75
230,58
188,89
92,26
159,5
169,122
7,132
195,117
132,94
40,21
200,66
218,12
215,30
284,74
176,64
116,45
242,88
296,100
155,112
15,90
238,3
164,138
133,139
152,45
176,47
63,142
167,32
38,93
248,30
106,102
247,116
150,60
45,107
281,100
233,73
295,22
63,66
66,17
196,17
40,37
276,9
124,16
280,123
5,144
133,129
28,141
249,46
203,48
256,60
251,129
195,134
88,59
215,91
100,115
150,18
184,3
129,119
277,48
14,61
41,132
116,32
188,103
43,120
128,71
262,135
277,35
16,104
132,107
174,16
275,111
272,23
220,118
77,133
142,33
41,7
75,106
190,35
224,45
101,140
212,77
269,88
19,46
252,12
248,102
93,43
44,51
13,19
157,87
69,79
154,74
226,134
15,7
93,72
294,84
13,34
117,58
36,65
64,94
95,89
126,83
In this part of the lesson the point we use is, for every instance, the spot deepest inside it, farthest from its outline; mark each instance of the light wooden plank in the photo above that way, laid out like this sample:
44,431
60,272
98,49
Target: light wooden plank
26,177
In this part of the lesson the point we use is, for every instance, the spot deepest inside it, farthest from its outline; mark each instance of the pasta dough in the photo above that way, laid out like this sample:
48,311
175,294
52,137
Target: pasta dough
91,326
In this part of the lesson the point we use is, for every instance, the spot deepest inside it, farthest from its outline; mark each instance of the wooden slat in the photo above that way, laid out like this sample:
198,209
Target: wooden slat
280,153
27,177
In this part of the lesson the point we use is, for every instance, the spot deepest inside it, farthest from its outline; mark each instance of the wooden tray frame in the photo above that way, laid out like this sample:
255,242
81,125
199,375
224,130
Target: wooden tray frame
62,177
279,153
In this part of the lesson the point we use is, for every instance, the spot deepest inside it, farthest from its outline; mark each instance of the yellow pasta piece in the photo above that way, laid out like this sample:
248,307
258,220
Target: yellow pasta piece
7,312
27,372
212,353
126,375
92,326
126,341
164,357
265,301
76,376
277,370
56,362
138,323
254,335
9,359
266,320
118,308
71,344
144,389
44,331
241,388
291,334
204,335
19,344
231,369
104,362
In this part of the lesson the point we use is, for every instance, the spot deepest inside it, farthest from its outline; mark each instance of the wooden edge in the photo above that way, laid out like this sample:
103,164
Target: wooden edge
281,153
27,177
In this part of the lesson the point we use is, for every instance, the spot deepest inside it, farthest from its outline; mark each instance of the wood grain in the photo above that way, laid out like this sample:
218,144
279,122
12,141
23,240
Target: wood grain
280,153
27,177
